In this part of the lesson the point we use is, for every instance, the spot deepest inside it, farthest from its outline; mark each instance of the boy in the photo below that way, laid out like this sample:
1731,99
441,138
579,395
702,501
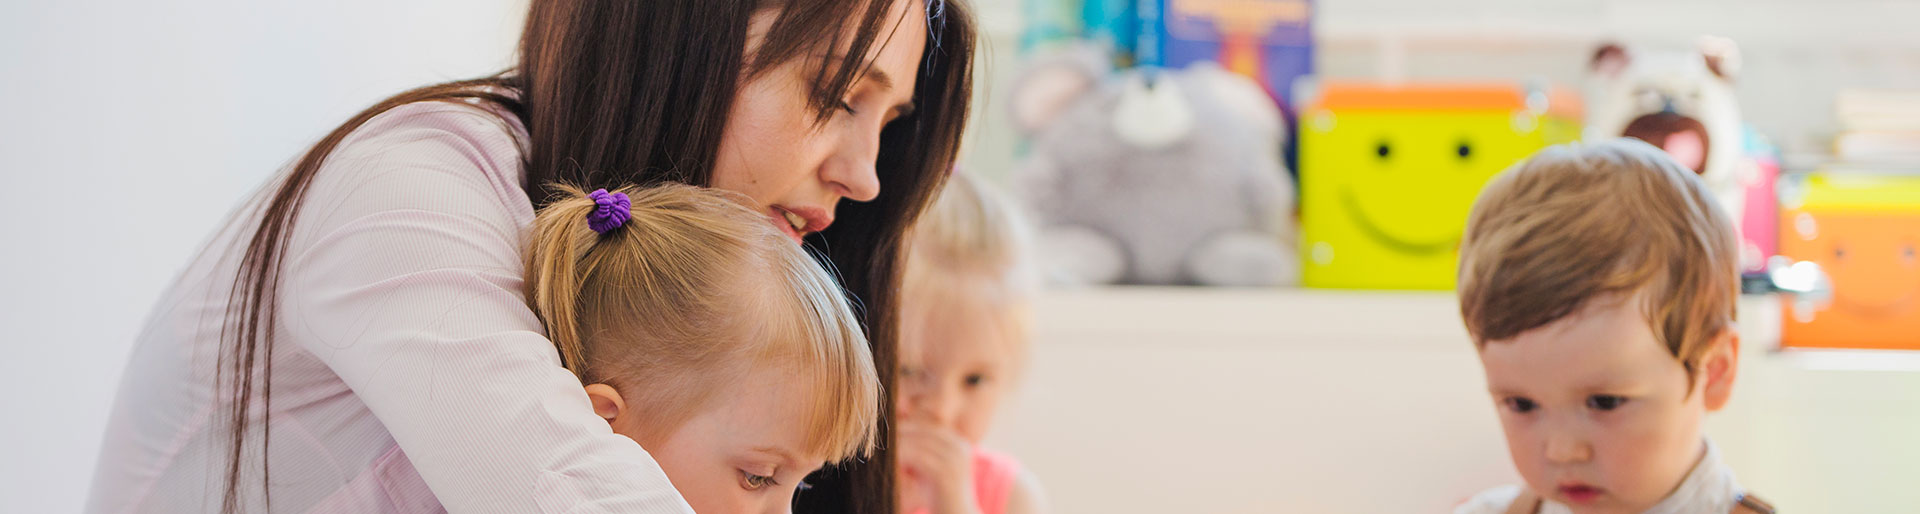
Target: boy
1598,283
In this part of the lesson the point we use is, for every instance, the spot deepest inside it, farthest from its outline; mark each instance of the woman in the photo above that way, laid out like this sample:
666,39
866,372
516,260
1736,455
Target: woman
293,367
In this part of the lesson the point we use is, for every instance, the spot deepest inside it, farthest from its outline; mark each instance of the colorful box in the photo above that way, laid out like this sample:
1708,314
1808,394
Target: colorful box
1270,41
1864,231
1388,173
1110,23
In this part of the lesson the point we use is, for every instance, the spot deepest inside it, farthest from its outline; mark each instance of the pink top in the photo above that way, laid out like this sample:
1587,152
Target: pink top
408,370
993,475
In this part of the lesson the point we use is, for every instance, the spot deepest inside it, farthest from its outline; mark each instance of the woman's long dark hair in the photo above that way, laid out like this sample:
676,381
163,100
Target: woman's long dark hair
627,91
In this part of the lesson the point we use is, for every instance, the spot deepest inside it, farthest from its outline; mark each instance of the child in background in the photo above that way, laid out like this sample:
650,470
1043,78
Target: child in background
708,337
965,300
1599,284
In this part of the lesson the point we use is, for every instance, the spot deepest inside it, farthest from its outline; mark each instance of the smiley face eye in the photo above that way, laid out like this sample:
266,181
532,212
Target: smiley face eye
1383,150
1839,253
1465,150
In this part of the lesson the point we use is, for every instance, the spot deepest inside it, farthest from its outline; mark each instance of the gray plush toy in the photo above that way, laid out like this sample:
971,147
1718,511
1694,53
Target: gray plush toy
1154,177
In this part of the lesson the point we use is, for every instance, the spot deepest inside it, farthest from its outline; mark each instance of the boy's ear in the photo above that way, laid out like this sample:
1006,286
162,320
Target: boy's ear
606,401
1718,368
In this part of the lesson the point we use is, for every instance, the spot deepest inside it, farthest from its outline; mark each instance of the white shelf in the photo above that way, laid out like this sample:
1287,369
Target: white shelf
1143,400
1293,316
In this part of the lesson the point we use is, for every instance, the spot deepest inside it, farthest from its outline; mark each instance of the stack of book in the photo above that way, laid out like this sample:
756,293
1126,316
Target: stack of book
1880,130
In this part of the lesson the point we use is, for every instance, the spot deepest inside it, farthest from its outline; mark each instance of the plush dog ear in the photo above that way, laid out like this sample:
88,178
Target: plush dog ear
1609,60
1723,57
1242,96
1053,81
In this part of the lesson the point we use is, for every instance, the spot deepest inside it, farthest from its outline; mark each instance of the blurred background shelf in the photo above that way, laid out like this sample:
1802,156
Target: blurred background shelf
1222,401
1797,55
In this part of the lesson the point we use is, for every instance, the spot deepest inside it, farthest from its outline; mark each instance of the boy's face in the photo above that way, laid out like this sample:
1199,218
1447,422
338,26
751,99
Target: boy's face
1598,413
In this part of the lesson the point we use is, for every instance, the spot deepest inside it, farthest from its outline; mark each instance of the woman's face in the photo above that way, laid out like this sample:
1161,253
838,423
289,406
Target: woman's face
795,171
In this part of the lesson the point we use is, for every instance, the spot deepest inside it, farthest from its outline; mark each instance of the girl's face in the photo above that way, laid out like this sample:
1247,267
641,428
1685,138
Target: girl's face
1598,414
958,357
744,454
797,172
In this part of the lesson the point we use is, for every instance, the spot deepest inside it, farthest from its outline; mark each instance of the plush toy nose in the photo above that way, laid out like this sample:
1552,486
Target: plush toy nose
1666,103
1150,77
1152,112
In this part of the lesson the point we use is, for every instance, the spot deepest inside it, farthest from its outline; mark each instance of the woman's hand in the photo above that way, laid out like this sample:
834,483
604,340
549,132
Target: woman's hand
936,469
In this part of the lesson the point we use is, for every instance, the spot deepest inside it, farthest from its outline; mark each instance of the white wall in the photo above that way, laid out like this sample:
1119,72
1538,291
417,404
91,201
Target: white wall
130,129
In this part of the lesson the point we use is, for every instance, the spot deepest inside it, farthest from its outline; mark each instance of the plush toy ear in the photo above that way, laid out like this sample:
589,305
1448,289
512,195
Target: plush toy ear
1242,96
1609,60
1054,81
1723,57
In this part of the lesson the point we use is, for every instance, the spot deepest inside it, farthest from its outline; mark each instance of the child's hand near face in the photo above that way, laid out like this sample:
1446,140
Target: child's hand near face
936,469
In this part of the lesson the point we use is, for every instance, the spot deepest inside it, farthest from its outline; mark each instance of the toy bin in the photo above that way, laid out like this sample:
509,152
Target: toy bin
1388,173
1864,231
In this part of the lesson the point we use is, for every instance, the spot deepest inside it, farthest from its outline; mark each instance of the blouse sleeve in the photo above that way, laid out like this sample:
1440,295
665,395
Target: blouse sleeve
404,276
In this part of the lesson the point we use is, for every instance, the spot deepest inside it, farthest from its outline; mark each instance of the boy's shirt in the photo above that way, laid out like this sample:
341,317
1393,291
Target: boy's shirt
1710,487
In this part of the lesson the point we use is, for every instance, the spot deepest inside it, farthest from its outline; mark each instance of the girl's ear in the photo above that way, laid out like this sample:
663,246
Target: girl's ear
1718,368
606,401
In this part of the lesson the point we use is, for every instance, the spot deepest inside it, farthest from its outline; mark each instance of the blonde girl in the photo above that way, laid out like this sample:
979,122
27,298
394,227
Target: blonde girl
966,299
706,337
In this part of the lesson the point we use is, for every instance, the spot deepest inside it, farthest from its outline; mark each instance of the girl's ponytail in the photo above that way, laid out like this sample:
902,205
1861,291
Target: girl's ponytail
556,262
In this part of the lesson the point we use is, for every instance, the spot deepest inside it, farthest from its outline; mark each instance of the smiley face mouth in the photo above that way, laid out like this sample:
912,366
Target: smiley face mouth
1893,308
1351,203
1878,268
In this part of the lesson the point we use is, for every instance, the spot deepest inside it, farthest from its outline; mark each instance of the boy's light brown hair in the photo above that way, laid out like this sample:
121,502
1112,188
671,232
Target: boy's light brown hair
1583,221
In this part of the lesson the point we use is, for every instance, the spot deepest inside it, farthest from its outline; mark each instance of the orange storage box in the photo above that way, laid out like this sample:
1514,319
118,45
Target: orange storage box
1864,231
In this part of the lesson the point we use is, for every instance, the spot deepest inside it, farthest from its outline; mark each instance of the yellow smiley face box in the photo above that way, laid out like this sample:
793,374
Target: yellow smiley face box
1389,173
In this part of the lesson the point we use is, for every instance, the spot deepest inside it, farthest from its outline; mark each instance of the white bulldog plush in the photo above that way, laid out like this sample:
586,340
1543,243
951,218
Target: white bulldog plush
1680,101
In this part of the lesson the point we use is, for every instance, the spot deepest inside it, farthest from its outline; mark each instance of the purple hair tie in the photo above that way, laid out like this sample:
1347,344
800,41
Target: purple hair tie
610,210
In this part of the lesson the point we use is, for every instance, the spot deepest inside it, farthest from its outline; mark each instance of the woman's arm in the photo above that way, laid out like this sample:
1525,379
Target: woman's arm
404,277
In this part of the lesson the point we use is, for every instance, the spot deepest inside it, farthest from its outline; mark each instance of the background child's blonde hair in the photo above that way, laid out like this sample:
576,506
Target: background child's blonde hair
1575,222
687,295
973,239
